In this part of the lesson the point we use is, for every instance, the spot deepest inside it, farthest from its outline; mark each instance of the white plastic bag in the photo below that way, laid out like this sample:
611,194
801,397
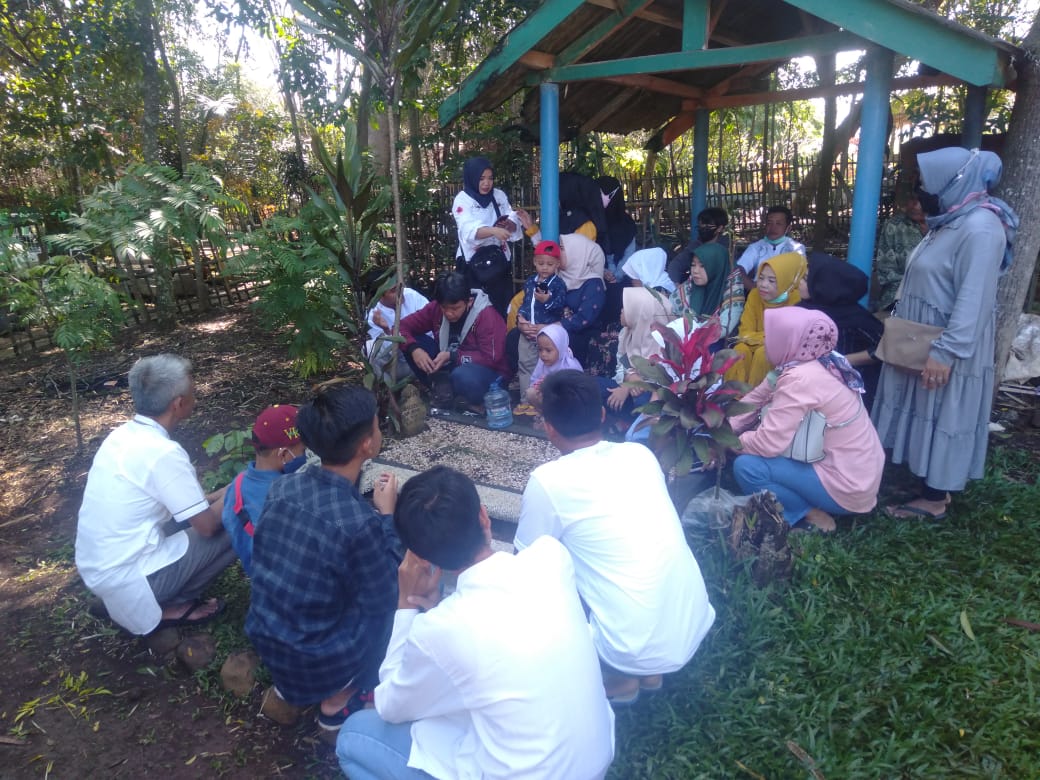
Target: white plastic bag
708,511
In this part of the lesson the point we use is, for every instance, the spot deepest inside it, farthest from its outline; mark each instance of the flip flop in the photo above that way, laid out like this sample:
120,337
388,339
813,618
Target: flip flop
651,684
184,620
912,511
624,701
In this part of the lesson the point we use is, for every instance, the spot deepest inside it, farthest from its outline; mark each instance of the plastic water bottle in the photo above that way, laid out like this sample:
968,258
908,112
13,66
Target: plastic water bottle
498,406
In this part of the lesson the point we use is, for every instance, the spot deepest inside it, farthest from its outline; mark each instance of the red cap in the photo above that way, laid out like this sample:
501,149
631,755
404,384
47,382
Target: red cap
276,427
550,248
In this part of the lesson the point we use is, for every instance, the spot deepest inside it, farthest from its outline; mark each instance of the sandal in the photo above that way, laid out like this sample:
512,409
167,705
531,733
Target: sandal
525,410
355,703
909,512
185,619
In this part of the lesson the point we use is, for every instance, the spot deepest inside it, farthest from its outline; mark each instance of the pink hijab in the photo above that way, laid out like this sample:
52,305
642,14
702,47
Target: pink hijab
795,335
557,334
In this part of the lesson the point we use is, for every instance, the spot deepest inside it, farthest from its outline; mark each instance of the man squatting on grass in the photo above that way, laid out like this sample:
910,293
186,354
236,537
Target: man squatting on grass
148,539
499,679
609,505
324,563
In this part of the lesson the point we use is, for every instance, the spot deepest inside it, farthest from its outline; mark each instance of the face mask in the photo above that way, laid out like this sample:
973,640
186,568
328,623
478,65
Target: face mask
706,234
295,464
929,203
777,241
781,298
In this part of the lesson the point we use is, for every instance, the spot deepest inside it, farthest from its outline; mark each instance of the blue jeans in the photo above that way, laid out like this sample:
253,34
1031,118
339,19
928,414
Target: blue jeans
470,380
794,483
369,748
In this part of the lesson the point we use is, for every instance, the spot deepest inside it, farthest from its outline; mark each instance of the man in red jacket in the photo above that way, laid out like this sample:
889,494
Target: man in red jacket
470,340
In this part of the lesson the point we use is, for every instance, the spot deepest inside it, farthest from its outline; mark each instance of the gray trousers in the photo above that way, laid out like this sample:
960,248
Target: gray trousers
527,353
185,579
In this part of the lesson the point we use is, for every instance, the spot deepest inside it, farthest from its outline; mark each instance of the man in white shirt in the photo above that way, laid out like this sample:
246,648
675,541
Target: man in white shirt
775,242
499,679
381,318
149,540
609,505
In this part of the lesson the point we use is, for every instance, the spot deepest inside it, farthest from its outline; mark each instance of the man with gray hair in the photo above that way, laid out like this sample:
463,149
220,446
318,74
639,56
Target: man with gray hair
149,540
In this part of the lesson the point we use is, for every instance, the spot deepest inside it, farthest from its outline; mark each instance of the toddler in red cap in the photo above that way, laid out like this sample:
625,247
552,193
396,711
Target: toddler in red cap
279,450
544,294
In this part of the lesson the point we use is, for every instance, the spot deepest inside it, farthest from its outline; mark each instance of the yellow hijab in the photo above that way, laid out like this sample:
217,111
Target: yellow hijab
789,268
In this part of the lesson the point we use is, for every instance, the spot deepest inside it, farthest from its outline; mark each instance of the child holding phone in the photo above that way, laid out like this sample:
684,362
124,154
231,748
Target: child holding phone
544,294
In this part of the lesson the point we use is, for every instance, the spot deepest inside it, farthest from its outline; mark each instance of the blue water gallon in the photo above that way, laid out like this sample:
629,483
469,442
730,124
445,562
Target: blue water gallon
497,406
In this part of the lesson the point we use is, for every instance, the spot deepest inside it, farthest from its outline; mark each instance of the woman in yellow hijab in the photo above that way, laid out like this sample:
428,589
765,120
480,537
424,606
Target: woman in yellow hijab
775,286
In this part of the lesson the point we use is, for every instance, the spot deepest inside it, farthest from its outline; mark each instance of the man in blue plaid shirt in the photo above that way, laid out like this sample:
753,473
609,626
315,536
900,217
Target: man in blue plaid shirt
325,561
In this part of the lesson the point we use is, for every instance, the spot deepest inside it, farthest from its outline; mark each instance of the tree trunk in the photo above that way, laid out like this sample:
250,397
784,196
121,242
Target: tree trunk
825,163
1021,188
287,95
175,93
364,108
395,187
144,11
415,142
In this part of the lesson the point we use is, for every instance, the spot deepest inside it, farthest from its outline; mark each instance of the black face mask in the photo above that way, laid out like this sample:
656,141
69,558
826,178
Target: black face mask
706,234
929,202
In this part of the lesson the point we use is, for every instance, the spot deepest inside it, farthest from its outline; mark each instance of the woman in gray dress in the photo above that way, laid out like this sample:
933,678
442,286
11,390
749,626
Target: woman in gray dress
937,420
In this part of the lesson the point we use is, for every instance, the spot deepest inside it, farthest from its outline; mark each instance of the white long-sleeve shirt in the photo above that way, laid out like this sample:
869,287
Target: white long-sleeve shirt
649,608
470,216
501,679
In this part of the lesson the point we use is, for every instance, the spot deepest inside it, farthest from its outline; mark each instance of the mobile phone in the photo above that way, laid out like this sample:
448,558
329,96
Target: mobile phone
542,287
505,222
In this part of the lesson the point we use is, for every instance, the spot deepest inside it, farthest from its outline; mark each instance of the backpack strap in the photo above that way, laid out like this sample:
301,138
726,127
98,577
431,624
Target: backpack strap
240,506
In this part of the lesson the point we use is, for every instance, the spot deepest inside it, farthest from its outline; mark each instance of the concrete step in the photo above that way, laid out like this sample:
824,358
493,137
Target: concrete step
502,503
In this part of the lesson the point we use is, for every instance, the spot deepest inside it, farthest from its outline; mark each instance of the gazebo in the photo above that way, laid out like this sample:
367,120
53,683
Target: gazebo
622,65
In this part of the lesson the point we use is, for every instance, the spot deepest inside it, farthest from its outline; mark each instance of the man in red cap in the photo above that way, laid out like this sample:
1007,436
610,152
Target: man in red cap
279,450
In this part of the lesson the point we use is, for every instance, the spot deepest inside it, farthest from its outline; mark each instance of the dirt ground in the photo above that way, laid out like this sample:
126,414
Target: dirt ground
77,697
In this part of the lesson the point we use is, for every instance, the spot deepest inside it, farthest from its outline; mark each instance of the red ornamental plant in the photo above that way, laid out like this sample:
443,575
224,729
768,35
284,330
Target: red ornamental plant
690,405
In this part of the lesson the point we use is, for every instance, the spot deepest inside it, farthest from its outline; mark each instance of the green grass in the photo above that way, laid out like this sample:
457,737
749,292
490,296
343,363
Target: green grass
864,660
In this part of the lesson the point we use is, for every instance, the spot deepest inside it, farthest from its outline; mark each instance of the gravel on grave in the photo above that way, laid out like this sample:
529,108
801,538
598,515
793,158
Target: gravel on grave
485,456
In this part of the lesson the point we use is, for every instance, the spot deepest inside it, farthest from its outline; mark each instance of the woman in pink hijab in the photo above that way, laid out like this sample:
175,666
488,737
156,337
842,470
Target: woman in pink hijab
809,376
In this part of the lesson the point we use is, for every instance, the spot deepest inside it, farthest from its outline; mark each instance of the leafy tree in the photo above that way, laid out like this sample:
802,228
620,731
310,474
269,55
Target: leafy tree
154,216
314,285
80,310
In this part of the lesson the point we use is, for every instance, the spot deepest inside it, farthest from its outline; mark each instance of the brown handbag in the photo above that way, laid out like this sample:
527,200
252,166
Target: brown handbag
905,344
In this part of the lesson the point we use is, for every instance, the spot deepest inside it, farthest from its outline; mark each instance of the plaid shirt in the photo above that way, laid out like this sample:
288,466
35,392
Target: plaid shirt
324,584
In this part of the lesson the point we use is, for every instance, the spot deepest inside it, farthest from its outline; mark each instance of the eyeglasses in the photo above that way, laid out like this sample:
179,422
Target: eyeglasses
707,225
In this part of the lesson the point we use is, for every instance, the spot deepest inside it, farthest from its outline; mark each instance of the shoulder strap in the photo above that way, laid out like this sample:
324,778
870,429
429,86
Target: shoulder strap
240,506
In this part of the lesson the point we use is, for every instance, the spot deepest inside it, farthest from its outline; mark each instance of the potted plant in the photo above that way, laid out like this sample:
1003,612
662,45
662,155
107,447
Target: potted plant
689,417
691,400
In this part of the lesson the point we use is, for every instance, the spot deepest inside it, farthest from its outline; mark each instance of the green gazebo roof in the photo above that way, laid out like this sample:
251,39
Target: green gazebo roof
625,65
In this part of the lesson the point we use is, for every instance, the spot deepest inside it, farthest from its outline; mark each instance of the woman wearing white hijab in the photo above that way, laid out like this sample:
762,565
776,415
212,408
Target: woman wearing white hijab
646,268
937,420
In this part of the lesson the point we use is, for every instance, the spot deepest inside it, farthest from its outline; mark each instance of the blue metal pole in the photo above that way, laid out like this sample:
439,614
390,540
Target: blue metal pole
974,117
699,186
870,166
550,135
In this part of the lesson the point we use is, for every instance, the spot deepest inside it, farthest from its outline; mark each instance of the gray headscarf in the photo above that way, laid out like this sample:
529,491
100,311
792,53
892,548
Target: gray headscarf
962,179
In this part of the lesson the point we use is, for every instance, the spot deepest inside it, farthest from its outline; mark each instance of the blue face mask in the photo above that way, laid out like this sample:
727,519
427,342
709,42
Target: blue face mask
777,241
294,464
782,298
